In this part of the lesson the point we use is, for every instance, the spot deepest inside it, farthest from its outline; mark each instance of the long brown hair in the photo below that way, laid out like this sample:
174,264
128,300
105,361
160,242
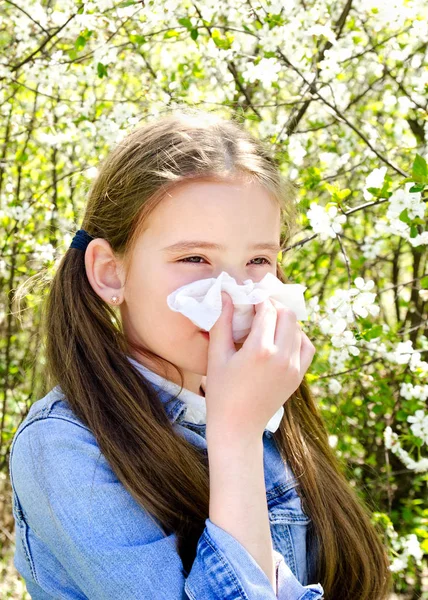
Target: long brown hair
86,354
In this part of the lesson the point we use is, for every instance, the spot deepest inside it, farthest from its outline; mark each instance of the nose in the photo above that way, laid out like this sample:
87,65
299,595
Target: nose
236,276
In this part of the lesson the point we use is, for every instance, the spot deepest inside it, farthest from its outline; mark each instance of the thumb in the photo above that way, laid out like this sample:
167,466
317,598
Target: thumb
221,336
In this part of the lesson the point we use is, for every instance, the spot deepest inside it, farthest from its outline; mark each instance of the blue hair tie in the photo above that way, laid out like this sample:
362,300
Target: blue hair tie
81,240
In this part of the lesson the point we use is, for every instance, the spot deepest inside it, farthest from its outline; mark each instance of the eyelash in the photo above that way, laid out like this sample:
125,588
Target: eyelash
184,260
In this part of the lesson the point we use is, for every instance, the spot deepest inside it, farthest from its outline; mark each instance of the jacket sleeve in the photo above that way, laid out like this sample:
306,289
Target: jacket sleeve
108,544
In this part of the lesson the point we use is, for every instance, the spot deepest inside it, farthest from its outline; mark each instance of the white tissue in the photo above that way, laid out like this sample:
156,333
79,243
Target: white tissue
201,302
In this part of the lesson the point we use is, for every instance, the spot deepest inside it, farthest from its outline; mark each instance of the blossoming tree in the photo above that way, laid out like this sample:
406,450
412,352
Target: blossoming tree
339,91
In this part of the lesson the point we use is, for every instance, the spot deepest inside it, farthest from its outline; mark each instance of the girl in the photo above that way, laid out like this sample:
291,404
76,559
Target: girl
118,492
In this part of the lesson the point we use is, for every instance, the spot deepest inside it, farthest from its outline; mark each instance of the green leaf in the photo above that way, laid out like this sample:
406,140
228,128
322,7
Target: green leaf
253,118
420,169
84,36
404,216
222,42
102,70
274,20
171,33
23,157
342,194
383,191
80,43
418,187
413,231
372,332
337,194
310,377
186,22
401,415
137,39
424,282
194,34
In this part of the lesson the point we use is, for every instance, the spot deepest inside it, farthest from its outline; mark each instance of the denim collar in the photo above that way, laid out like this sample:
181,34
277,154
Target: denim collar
180,403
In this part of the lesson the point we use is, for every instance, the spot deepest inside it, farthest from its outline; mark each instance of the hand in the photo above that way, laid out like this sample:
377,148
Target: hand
245,388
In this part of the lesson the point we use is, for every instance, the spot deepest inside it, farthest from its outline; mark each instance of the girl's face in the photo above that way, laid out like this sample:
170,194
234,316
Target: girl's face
236,216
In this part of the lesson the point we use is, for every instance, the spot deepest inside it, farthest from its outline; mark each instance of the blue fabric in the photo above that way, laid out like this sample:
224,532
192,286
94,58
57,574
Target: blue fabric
80,534
81,239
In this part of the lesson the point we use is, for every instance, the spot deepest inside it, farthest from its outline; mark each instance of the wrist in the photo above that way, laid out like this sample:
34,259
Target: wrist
224,437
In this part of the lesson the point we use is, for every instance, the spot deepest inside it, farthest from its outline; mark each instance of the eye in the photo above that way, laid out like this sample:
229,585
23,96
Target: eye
188,259
267,261
185,260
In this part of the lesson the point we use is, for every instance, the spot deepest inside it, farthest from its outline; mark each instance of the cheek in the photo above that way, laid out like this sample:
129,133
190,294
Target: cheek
164,322
147,296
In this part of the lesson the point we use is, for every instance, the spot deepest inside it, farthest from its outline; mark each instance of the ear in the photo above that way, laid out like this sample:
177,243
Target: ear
104,270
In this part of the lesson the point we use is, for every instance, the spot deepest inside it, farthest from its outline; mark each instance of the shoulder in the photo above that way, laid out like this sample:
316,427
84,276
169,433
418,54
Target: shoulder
53,405
61,479
72,510
52,450
50,417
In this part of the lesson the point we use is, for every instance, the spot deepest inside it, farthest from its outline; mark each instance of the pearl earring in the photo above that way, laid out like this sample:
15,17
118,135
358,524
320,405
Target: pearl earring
114,299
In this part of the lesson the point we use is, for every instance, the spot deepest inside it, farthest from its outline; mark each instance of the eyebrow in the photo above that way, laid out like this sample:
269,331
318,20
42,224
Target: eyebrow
185,245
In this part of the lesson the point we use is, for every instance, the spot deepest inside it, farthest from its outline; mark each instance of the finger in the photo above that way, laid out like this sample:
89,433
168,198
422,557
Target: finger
285,328
221,335
307,352
262,333
294,360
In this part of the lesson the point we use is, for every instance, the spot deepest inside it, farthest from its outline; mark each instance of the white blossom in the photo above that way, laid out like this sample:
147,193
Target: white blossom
332,440
296,150
402,199
342,338
392,443
325,221
266,71
374,180
334,386
372,247
409,391
419,425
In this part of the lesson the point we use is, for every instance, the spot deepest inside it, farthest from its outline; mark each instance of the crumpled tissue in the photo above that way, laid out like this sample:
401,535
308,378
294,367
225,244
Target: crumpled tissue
201,302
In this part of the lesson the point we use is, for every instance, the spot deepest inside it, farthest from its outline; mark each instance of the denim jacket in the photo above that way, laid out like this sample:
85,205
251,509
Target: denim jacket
80,534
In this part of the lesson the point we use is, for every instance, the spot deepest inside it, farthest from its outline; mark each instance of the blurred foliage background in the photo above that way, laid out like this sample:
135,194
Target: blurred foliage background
339,91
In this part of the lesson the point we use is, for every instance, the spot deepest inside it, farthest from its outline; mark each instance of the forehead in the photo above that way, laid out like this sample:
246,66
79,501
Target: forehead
212,209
